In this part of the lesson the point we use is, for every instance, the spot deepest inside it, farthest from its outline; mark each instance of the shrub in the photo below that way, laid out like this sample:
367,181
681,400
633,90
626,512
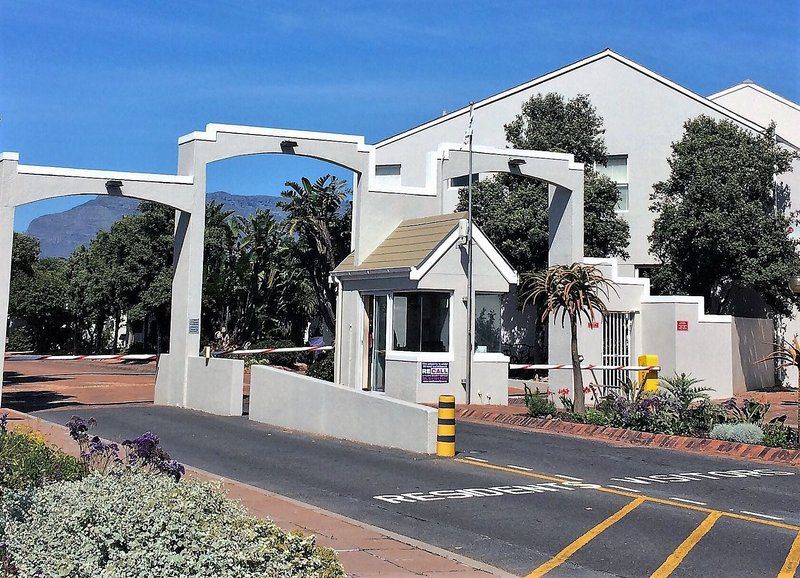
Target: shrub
538,403
595,417
144,452
19,339
27,461
745,433
778,435
752,411
280,359
322,366
137,525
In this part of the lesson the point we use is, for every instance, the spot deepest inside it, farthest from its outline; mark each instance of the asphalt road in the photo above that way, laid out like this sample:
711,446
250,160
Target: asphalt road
521,501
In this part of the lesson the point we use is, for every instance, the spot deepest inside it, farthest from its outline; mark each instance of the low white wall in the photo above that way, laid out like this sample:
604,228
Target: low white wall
285,399
214,385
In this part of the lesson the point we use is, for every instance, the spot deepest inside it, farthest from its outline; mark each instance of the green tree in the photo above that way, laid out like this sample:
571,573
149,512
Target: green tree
38,296
512,210
319,214
573,292
720,225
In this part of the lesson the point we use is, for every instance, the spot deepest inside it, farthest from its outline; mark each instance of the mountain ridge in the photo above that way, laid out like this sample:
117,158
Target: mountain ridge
61,233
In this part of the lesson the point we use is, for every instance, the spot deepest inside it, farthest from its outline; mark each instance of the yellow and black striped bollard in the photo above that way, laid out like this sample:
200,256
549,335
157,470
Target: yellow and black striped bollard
446,430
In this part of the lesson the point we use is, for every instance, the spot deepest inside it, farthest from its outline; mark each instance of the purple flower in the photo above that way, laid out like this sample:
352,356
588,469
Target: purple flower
4,423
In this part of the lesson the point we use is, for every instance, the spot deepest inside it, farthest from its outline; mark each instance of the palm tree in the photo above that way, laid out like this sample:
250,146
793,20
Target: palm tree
787,354
576,292
319,214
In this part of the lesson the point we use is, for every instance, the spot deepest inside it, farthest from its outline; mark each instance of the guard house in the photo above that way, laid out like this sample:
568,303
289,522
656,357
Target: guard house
403,314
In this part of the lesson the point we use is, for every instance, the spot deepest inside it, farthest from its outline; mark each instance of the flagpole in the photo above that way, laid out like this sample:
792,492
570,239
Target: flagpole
470,344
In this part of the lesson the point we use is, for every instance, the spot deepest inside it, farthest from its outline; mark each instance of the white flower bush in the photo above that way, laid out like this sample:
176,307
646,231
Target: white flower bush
744,433
140,525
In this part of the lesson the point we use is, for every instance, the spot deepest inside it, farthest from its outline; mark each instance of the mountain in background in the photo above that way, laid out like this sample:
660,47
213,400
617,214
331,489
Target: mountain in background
61,233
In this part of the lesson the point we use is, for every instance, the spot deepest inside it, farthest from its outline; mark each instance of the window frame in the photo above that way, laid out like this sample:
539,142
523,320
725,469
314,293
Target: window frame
393,354
619,184
500,322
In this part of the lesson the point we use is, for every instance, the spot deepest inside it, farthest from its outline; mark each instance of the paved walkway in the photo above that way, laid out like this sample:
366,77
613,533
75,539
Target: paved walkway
363,550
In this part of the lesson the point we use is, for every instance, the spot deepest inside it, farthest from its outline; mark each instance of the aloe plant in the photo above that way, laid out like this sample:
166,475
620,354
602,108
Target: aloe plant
573,292
787,354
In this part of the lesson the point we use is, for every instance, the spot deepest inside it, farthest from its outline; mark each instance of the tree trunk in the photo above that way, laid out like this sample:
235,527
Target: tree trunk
577,376
116,332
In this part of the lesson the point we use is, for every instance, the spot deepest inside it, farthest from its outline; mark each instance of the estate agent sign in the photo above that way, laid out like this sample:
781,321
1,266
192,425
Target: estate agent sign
435,372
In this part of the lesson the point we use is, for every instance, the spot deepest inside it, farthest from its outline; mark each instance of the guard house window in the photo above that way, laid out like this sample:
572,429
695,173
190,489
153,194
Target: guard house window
421,322
487,322
616,169
463,181
388,175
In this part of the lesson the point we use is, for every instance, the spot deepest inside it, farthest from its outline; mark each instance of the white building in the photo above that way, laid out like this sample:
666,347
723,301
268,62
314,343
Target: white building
644,113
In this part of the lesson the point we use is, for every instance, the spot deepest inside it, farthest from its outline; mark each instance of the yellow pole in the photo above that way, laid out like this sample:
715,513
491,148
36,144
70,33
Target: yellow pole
446,429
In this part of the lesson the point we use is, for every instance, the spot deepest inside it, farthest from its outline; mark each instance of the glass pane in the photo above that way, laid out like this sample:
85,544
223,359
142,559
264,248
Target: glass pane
406,315
487,322
435,322
463,181
616,169
622,203
387,170
379,347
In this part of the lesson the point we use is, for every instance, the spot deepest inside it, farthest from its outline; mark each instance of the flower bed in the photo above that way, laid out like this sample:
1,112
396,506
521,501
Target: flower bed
680,407
126,512
622,435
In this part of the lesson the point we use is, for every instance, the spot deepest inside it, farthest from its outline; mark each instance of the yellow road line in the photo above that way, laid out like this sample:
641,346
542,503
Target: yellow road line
653,499
562,556
792,560
674,560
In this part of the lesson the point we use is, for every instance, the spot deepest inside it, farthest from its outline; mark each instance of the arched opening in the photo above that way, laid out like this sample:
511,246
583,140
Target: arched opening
270,247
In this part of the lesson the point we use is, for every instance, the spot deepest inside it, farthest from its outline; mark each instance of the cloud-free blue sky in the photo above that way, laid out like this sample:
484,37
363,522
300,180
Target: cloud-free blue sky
113,84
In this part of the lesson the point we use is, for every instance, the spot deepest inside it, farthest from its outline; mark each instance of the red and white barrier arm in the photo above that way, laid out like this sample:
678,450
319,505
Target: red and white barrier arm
590,366
274,350
123,357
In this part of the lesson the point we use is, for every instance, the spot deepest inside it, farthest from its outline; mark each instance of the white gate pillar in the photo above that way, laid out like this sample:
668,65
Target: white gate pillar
565,215
172,382
8,172
6,243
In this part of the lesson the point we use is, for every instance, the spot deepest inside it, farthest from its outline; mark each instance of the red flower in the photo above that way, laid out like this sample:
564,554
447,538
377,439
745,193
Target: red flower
564,391
587,390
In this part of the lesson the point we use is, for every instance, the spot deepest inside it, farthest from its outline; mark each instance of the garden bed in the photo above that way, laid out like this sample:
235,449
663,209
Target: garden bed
783,456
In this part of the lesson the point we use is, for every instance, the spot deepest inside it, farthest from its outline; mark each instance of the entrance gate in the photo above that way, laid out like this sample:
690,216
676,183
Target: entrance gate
617,329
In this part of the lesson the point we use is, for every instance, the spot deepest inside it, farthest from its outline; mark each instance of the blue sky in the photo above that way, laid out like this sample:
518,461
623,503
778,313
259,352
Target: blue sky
114,84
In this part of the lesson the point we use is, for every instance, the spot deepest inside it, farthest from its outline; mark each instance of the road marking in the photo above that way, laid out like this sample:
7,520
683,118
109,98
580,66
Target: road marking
674,560
761,515
688,501
624,489
475,459
792,560
519,468
568,478
562,556
653,499
684,477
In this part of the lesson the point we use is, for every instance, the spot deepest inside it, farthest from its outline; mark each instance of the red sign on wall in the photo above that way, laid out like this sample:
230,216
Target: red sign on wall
594,324
683,326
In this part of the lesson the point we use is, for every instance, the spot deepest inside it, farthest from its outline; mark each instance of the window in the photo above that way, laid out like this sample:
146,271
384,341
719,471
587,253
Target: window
487,322
421,322
616,169
388,175
463,181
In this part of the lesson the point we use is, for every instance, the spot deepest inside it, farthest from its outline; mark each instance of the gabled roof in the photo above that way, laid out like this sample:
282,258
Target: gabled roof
416,245
607,53
758,88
